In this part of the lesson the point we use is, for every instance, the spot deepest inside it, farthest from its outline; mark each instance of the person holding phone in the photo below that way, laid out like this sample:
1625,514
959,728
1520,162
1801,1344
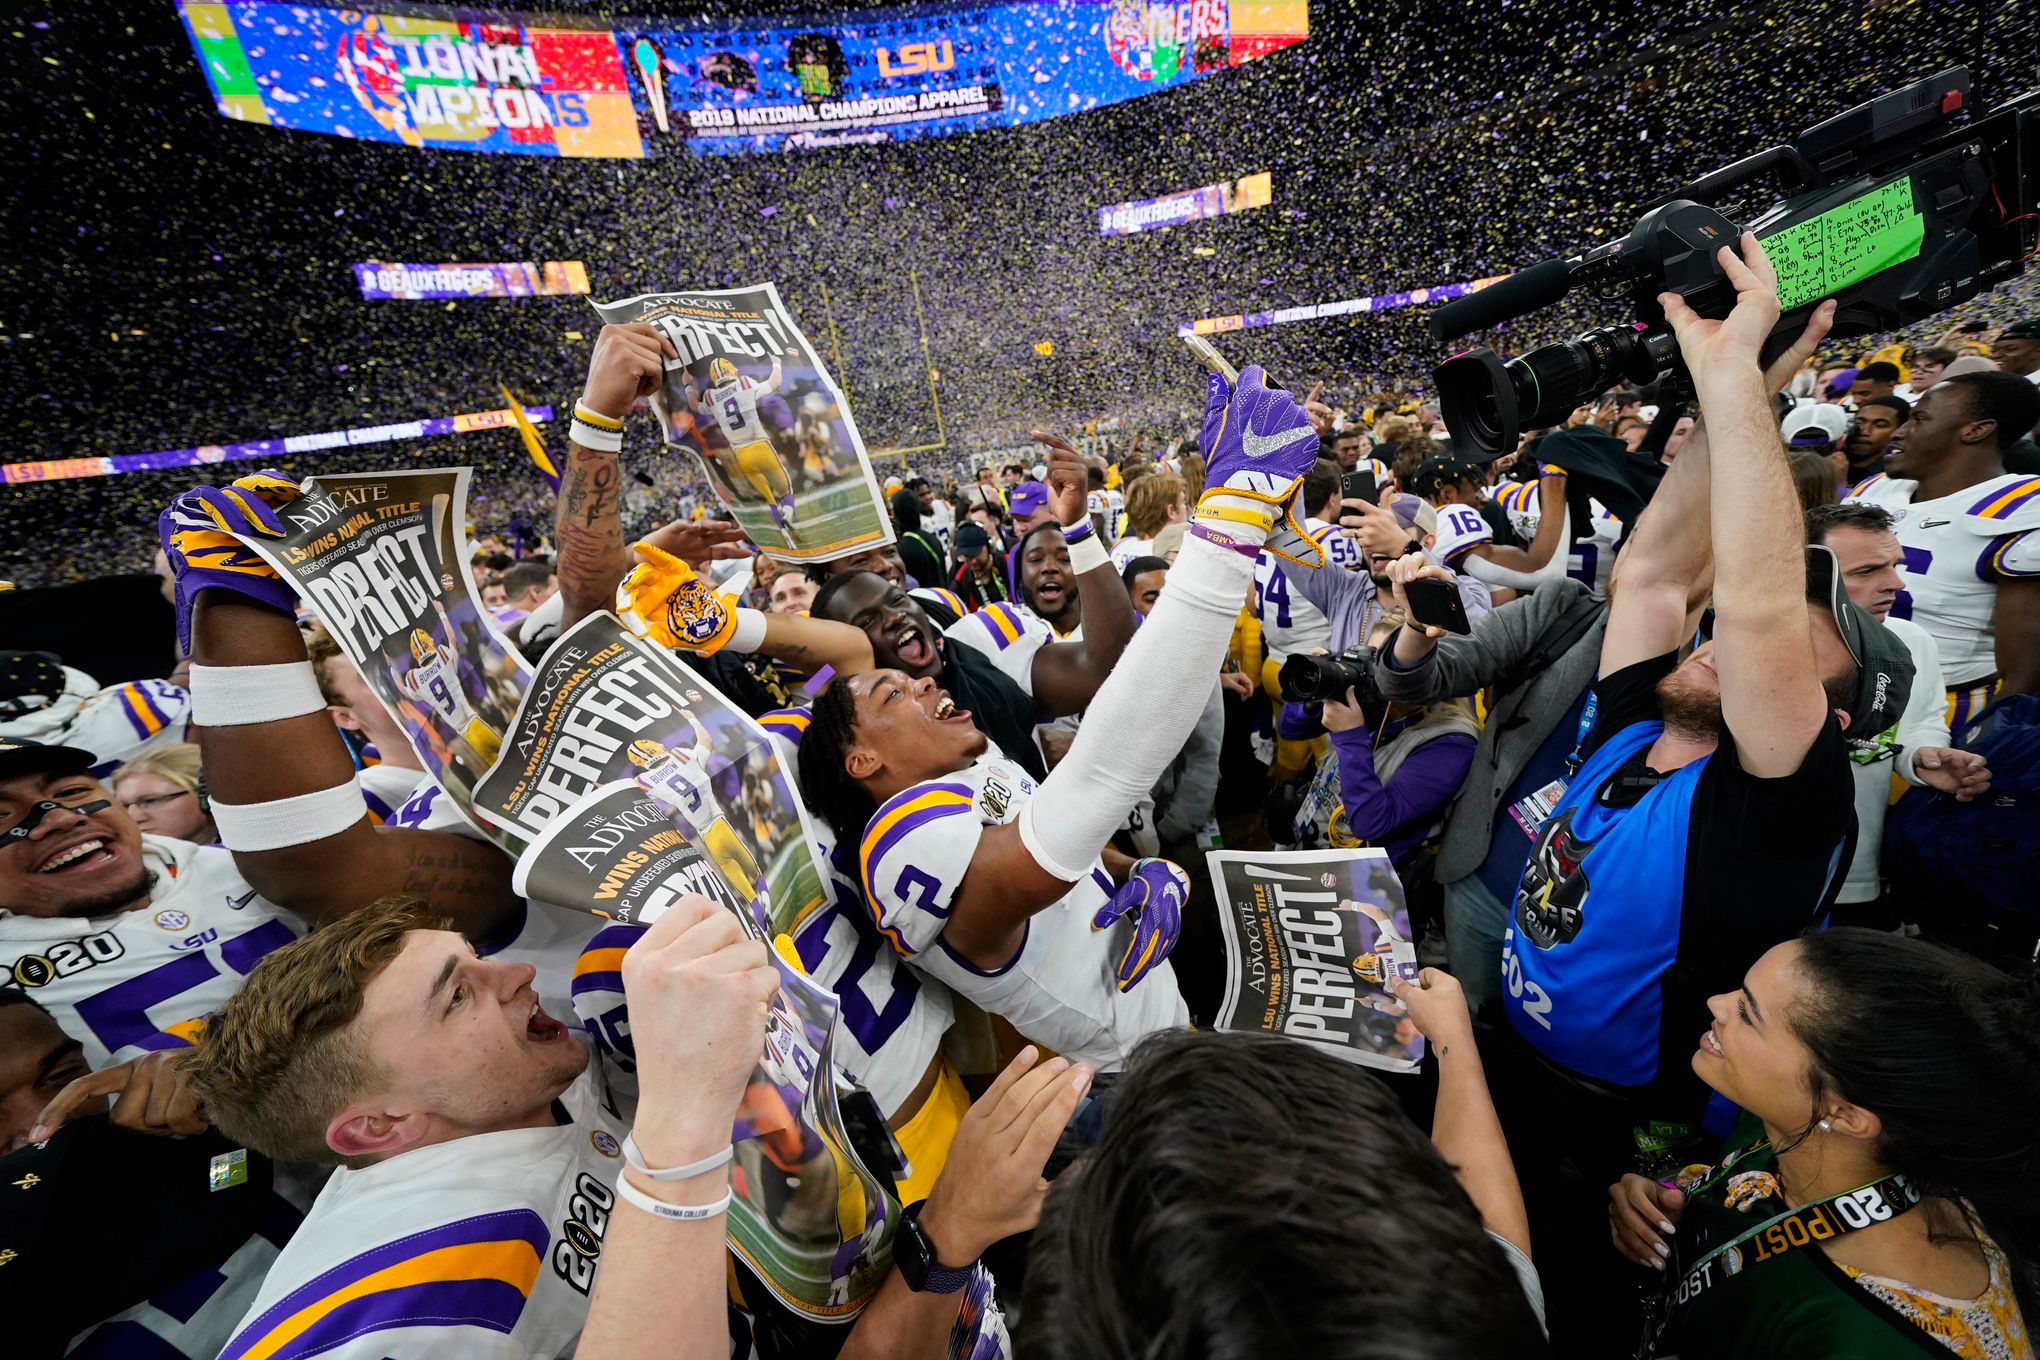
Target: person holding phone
1399,764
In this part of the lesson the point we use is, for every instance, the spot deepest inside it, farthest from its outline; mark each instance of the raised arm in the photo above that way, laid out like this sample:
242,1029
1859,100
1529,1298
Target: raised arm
316,854
663,599
628,363
1426,663
1067,675
1771,694
1141,716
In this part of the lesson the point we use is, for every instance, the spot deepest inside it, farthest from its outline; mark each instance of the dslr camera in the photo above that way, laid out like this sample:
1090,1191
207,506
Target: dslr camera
1313,679
1900,208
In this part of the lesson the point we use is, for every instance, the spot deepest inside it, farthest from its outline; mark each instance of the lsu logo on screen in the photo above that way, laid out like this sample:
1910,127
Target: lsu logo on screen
914,59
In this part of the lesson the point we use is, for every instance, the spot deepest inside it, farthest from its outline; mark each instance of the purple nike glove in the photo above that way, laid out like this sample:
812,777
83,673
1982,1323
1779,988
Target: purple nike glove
198,533
1153,899
1258,442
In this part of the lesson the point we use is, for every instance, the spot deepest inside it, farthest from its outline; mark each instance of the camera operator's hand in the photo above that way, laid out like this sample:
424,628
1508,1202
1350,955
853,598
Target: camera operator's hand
1724,350
1343,715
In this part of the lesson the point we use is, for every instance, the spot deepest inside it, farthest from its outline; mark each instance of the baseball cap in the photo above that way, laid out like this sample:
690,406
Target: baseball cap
2026,329
1884,664
1027,498
1843,380
19,756
971,539
29,681
1814,425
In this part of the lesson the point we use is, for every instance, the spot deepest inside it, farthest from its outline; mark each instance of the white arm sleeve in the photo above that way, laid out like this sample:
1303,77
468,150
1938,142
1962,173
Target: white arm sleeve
1490,573
1131,731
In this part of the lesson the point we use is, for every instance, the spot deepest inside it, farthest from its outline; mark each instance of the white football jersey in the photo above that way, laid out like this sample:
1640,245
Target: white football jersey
1956,550
1108,505
892,1017
681,781
120,722
1008,635
1590,557
1461,529
1060,989
436,685
139,980
1290,623
386,788
483,1246
735,407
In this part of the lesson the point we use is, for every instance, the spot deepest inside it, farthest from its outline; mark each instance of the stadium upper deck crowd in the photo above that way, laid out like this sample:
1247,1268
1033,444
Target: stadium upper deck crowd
1704,821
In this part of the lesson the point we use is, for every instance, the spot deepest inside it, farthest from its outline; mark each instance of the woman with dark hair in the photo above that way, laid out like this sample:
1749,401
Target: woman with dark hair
1881,1193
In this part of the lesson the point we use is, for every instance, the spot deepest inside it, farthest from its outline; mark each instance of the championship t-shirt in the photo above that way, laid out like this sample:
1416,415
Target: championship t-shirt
1645,894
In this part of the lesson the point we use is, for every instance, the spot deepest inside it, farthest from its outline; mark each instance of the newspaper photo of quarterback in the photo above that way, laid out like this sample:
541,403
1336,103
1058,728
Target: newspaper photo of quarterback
745,392
439,680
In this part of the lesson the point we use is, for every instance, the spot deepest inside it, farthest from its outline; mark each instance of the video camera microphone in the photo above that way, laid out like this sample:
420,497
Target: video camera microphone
1526,290
1891,212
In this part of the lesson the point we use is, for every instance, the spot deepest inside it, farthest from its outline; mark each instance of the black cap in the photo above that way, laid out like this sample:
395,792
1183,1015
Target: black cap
29,681
971,539
2027,328
19,756
1443,470
1884,664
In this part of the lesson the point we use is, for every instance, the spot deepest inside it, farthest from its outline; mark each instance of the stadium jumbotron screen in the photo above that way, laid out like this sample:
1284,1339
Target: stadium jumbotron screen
527,85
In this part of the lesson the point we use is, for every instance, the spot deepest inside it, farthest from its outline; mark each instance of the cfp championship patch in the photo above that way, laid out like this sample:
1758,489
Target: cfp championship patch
997,800
1550,904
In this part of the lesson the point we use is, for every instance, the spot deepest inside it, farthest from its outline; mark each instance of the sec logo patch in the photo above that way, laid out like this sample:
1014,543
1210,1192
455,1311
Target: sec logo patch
172,919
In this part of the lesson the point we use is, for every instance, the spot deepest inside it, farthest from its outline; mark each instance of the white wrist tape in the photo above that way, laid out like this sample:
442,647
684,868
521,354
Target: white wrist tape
591,437
238,696
1132,731
283,822
750,632
1088,554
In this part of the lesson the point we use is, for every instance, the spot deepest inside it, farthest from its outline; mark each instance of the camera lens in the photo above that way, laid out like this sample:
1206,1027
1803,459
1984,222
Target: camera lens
1487,403
1309,679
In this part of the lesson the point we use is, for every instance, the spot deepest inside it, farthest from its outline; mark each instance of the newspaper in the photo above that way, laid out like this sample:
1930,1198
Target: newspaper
1311,938
605,706
809,1216
381,557
751,400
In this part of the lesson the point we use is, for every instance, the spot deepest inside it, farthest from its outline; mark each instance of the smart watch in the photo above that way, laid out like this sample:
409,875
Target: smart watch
914,1254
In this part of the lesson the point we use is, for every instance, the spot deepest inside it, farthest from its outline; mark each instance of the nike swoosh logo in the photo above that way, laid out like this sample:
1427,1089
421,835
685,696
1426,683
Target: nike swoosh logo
1932,523
1261,445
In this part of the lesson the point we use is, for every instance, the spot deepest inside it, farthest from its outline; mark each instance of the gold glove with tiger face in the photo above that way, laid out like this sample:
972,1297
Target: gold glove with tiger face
663,599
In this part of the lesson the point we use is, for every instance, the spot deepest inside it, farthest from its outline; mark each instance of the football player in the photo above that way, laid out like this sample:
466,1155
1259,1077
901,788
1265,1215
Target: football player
679,777
1966,530
732,402
1289,623
816,436
484,1160
963,870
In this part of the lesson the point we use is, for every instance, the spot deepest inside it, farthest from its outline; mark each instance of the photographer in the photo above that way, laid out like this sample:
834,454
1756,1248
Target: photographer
1398,763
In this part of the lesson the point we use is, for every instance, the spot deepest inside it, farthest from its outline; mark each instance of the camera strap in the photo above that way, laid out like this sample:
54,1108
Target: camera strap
1780,1235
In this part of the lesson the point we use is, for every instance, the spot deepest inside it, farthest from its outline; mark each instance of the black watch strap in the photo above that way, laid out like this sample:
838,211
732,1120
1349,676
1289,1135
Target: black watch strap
915,1255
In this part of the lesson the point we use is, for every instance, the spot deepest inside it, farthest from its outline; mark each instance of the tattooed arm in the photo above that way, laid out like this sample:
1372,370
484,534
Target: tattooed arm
326,878
629,363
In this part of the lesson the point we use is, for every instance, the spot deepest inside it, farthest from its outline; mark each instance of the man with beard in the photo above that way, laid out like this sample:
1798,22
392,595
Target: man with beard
1006,669
1877,419
1708,808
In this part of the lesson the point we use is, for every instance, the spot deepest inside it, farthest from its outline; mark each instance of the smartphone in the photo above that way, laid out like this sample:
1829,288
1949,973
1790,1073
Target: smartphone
1973,327
1359,485
1211,358
1436,603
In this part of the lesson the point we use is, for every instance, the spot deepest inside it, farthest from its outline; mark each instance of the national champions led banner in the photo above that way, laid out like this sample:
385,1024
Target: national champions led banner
534,86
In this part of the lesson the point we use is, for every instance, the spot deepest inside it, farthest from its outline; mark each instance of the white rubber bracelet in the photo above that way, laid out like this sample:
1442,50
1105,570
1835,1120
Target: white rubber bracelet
238,696
750,632
1088,554
672,1213
284,822
635,1160
591,437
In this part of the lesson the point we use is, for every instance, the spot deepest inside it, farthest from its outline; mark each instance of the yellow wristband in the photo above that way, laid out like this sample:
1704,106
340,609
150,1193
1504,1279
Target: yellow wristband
582,411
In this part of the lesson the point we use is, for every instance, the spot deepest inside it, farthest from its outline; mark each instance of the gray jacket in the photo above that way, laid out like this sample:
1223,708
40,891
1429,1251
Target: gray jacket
1519,722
